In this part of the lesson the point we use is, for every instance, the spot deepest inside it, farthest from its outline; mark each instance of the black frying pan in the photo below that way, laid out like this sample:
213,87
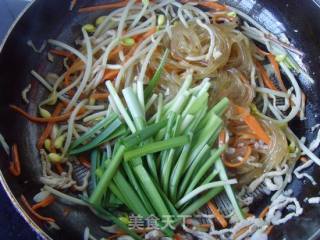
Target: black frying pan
298,19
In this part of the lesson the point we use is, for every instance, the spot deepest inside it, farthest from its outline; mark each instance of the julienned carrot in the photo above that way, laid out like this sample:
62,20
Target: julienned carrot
84,161
253,124
263,53
34,213
101,7
276,69
275,66
213,5
114,53
77,66
177,237
220,17
44,203
222,138
63,53
110,74
266,80
139,38
215,211
14,166
46,133
241,162
145,35
61,118
116,235
59,168
264,212
240,232
100,96
303,159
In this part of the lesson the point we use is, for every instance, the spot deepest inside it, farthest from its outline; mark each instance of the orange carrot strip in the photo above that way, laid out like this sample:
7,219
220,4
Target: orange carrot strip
77,66
116,235
46,133
14,166
114,53
264,212
222,17
61,118
84,161
100,96
241,162
253,124
303,159
147,34
276,68
222,221
101,7
222,137
139,38
59,168
266,80
243,78
177,237
240,232
34,213
63,53
44,203
213,5
110,75
263,53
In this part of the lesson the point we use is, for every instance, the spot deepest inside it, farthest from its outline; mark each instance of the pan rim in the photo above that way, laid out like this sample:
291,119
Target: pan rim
17,206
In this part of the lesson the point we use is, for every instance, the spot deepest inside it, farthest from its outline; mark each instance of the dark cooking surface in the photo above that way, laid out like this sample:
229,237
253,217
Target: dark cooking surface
299,19
12,226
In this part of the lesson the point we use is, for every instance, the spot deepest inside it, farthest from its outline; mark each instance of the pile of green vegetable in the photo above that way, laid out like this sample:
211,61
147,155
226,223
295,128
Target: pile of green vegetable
162,163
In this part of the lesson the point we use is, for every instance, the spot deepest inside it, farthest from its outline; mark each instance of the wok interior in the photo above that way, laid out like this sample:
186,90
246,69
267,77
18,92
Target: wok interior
50,19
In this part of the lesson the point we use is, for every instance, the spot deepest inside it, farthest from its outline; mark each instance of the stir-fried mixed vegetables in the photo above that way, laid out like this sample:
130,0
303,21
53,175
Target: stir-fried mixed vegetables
176,110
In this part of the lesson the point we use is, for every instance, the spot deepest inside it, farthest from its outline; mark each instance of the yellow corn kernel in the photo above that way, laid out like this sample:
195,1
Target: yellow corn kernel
55,158
89,28
161,19
47,144
59,141
100,20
